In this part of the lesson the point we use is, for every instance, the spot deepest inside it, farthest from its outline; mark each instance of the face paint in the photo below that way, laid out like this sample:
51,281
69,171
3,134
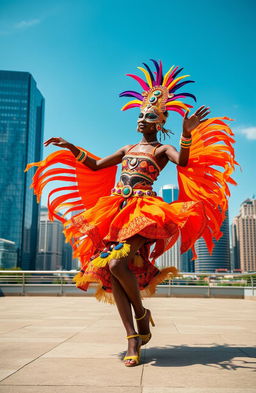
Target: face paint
149,116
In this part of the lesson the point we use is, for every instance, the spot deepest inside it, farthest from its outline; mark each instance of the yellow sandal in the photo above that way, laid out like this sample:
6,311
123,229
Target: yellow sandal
146,337
133,357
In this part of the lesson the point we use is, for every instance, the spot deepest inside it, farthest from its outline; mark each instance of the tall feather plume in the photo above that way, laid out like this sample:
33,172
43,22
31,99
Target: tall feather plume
171,81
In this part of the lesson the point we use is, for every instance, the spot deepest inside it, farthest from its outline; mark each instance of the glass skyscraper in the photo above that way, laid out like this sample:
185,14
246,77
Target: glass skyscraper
21,135
173,257
220,258
169,193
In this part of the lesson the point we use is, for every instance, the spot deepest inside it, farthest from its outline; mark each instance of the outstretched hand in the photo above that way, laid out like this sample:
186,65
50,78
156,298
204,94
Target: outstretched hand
58,141
189,123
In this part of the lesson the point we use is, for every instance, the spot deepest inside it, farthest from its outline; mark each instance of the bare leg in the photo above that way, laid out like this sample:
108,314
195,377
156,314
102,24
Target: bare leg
126,292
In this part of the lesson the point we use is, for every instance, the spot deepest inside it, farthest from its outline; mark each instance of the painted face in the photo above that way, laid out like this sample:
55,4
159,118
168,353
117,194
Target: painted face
150,116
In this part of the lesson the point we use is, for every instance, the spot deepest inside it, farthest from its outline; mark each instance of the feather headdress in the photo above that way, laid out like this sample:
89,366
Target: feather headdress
159,91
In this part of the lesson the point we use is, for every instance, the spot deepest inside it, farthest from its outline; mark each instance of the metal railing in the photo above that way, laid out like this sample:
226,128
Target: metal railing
59,282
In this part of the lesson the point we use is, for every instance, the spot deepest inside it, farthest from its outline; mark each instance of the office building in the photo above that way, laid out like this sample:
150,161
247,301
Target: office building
21,136
244,236
8,254
50,244
67,262
169,193
173,257
220,258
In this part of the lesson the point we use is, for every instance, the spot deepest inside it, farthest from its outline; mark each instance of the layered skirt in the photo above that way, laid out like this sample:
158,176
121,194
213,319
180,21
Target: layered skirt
107,224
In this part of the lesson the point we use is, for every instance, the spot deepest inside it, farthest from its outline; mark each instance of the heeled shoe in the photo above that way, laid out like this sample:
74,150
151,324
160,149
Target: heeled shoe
136,358
146,337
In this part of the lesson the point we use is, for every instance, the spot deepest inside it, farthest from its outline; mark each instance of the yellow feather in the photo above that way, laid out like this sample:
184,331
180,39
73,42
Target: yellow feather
131,102
177,103
146,73
167,75
176,81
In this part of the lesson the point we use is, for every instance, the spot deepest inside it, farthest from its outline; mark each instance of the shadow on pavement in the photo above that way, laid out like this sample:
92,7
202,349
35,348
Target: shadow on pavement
217,356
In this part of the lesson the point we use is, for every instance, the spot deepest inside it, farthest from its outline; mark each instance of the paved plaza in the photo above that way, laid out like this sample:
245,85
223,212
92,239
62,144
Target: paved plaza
76,345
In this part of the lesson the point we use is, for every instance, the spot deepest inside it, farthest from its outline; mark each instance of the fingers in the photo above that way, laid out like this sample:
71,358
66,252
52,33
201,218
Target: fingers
186,114
51,140
202,110
199,109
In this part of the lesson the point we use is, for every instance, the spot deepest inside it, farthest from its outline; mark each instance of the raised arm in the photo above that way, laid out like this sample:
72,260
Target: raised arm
92,163
189,123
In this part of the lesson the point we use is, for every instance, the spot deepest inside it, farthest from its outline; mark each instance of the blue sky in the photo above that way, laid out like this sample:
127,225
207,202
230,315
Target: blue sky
79,52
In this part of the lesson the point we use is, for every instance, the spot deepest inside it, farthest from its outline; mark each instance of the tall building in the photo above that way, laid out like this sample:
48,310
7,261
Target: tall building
220,258
50,244
8,254
244,236
67,262
235,257
169,193
21,134
173,257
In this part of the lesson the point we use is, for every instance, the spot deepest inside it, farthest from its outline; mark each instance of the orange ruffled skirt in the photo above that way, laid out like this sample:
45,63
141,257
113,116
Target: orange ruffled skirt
151,217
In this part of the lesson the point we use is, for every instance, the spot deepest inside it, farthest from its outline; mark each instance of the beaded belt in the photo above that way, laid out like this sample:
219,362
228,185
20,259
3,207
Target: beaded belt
127,191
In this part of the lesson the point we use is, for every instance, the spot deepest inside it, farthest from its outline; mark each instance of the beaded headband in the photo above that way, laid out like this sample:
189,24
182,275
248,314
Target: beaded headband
159,92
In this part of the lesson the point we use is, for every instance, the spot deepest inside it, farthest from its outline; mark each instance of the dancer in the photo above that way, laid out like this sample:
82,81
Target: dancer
119,230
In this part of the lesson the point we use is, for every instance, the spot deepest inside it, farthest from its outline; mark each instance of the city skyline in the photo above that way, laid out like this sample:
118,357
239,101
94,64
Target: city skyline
79,55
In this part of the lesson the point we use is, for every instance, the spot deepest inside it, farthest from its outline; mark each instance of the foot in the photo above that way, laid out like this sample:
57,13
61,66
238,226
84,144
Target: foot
134,344
143,326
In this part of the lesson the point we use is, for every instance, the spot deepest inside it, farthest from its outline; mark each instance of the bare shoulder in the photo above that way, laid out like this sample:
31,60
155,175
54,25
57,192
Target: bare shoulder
163,149
125,148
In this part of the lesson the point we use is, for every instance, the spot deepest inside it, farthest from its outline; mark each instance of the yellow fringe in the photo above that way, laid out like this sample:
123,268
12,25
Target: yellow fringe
101,262
160,277
78,278
114,254
123,252
107,297
103,296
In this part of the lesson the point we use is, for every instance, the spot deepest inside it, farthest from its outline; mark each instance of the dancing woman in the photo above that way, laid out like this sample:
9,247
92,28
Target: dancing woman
120,223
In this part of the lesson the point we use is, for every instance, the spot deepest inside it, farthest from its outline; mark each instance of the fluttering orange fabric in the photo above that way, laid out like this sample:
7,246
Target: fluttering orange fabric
199,211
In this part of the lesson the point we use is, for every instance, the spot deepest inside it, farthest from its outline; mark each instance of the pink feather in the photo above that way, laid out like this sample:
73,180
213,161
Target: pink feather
176,109
170,76
143,84
131,106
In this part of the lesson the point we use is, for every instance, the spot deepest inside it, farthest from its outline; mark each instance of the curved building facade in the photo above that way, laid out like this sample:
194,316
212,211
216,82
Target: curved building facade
220,258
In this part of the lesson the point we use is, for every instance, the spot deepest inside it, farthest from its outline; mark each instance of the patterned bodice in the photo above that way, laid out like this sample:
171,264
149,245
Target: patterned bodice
139,169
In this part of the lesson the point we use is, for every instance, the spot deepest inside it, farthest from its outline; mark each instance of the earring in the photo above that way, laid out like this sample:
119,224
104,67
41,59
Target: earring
159,127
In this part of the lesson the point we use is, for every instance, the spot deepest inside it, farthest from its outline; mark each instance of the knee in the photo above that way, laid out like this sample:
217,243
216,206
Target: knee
117,266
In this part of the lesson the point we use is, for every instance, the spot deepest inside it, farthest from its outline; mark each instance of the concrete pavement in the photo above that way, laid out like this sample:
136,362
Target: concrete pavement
75,345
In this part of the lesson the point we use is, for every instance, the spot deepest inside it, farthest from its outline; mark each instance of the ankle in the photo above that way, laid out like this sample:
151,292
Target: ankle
141,315
131,332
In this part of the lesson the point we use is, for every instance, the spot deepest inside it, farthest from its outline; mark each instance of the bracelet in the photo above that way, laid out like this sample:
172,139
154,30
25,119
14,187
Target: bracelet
81,156
185,146
186,139
185,142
